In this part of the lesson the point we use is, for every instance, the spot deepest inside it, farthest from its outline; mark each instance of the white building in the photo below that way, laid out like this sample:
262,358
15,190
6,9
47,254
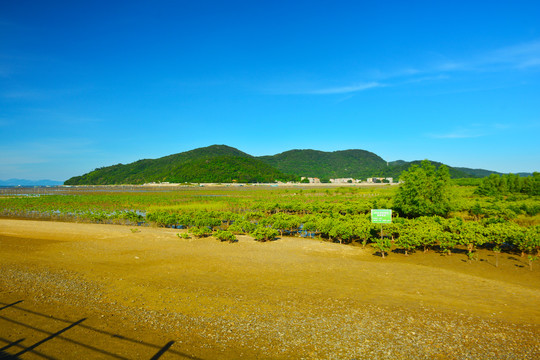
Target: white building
311,180
380,180
344,181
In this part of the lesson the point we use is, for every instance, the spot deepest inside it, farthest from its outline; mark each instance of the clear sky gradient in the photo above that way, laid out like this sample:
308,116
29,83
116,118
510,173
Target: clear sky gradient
96,83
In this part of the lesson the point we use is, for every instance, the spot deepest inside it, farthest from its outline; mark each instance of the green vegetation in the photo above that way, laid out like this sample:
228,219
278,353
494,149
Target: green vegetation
217,163
200,231
224,235
425,191
224,164
263,233
338,164
184,236
424,219
395,169
496,185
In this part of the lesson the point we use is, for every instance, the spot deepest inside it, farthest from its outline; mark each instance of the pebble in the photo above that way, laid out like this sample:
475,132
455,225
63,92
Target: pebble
307,328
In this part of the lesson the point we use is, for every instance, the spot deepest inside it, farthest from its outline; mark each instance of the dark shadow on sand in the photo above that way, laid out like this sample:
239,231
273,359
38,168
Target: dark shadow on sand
13,350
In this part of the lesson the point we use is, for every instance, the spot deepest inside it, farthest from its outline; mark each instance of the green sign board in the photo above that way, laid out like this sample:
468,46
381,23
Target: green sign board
381,216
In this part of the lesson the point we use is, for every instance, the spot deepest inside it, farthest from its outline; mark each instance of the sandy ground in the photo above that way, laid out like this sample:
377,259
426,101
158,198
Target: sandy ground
91,291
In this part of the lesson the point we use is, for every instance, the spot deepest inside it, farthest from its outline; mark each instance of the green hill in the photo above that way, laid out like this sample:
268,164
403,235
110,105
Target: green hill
358,164
326,165
395,168
216,163
220,163
477,172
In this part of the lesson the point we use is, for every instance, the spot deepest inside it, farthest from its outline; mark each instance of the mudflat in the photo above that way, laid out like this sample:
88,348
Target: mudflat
70,290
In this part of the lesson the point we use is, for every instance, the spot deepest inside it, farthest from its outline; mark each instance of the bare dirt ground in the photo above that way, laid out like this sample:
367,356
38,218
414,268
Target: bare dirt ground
89,291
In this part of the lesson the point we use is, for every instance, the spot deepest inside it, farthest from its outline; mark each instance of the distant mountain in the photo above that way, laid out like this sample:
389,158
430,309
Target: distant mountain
478,172
358,164
397,162
216,163
395,168
327,165
24,182
221,163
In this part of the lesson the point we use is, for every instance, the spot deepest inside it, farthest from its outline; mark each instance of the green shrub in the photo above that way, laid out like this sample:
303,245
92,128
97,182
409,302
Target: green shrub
223,235
200,231
262,233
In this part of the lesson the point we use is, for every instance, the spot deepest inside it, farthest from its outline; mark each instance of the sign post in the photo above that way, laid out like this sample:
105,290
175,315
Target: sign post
381,216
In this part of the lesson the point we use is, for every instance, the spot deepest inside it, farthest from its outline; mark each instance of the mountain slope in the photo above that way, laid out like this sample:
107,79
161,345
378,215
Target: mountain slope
220,163
326,165
477,172
216,163
395,169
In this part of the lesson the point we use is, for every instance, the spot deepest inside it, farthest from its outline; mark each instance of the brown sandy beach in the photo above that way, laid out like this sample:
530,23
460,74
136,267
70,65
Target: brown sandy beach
71,290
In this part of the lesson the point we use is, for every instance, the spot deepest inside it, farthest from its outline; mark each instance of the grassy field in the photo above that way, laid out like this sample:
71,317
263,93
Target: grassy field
120,294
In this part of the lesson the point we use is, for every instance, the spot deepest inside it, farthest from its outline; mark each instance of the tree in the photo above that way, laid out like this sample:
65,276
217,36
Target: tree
429,228
224,235
532,235
472,235
383,245
447,242
241,227
309,224
280,222
362,230
262,233
425,191
344,231
200,231
451,235
408,240
500,233
325,226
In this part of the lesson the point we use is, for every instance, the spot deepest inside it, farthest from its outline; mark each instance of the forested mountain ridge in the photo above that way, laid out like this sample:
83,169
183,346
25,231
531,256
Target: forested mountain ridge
327,165
221,163
395,169
216,163
478,172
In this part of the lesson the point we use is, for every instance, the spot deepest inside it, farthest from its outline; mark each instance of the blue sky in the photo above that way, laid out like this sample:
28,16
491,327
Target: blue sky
96,83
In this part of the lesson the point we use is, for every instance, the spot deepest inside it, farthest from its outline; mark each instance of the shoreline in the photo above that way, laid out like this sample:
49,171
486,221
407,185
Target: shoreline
289,298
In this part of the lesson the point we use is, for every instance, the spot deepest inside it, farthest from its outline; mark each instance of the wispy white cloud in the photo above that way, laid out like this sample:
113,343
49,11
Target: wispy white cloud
522,56
320,90
344,89
449,66
424,79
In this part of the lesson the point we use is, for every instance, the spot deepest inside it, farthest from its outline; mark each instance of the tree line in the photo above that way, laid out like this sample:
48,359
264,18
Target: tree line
497,185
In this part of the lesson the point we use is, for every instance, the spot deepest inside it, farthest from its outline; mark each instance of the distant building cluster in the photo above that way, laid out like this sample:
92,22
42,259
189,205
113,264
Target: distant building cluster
345,181
311,180
374,180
